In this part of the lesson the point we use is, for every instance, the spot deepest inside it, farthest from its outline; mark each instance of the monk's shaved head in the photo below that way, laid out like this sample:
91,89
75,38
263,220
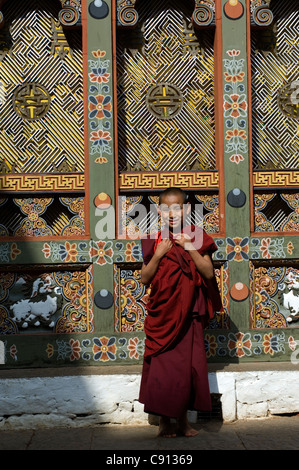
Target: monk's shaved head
173,192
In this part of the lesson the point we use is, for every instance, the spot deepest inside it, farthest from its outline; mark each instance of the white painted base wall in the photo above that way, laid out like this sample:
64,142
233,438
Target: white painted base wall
113,399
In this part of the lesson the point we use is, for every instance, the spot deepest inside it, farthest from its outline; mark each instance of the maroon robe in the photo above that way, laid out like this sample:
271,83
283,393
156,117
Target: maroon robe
175,376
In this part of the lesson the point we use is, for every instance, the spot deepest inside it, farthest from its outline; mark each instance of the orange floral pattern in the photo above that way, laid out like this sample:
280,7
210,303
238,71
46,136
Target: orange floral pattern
237,249
104,349
235,106
100,107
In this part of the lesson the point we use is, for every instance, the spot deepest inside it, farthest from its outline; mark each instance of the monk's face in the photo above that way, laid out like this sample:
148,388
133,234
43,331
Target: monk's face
173,211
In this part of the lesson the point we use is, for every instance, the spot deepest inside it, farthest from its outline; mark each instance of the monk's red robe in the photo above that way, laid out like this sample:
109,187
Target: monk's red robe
175,376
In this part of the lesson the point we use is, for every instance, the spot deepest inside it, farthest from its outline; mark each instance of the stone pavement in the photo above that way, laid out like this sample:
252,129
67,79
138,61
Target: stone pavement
273,433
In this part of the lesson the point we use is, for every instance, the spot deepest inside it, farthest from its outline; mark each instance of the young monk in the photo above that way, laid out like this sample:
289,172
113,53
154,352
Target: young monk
183,296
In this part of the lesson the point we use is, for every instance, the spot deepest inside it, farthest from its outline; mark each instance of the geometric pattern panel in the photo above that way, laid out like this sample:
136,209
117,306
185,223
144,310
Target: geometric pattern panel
42,216
62,182
138,213
130,298
41,95
276,211
157,181
275,89
276,179
274,295
46,301
165,82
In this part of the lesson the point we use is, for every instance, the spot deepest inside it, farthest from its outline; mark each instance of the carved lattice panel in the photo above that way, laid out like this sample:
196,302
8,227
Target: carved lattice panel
41,98
165,90
275,89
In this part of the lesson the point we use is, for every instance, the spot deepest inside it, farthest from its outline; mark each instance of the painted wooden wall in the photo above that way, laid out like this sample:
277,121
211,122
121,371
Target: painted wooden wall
87,273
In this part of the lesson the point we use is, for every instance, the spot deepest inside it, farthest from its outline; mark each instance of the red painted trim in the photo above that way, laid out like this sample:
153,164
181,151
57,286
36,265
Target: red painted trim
114,75
218,93
249,95
87,204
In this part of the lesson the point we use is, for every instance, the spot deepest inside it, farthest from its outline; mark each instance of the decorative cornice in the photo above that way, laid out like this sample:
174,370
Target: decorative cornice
126,13
155,181
70,14
203,14
264,179
261,15
43,183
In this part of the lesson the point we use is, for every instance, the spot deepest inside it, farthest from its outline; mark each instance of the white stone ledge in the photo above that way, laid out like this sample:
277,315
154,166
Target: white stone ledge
78,400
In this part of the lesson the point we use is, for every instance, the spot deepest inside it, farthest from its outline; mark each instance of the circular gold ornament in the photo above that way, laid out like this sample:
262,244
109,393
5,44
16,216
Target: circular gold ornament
288,99
31,101
164,100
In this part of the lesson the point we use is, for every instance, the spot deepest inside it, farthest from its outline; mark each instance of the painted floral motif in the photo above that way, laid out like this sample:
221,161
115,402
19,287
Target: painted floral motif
9,252
292,343
99,74
210,345
13,352
69,252
131,251
100,137
271,344
236,158
100,107
239,344
290,248
128,251
104,349
237,249
235,106
134,353
272,247
14,251
101,252
66,350
50,350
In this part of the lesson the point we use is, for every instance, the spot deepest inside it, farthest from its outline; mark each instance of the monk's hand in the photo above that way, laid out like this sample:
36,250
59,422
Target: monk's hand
163,247
183,240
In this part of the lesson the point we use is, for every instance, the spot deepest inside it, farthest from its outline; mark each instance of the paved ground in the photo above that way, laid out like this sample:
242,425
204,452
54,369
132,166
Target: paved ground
275,433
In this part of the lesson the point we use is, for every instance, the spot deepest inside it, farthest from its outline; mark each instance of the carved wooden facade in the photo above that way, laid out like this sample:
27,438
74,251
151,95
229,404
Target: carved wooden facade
103,105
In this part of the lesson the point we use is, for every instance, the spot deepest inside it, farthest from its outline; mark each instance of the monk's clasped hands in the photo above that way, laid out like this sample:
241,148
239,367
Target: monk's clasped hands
183,240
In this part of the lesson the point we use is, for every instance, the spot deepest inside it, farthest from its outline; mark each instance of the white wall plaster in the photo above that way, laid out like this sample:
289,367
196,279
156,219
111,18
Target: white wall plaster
113,399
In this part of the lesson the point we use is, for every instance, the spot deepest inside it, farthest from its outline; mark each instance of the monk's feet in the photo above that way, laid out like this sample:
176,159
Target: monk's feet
166,428
185,428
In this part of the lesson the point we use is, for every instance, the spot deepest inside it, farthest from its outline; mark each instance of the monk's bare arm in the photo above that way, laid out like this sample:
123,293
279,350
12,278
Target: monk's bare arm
149,270
203,264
